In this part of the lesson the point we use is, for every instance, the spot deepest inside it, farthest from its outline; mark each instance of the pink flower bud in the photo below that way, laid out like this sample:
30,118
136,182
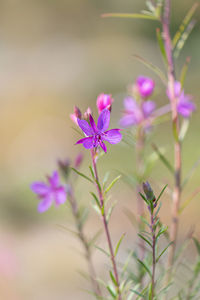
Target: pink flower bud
104,101
77,114
145,86
87,113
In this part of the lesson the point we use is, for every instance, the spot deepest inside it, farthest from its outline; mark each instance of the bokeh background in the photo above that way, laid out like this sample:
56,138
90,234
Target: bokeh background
55,54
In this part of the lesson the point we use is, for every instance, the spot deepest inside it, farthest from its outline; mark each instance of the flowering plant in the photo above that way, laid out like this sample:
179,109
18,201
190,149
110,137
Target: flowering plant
149,271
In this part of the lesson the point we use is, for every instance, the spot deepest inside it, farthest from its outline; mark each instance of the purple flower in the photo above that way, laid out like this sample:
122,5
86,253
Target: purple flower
104,101
135,114
49,192
145,86
185,106
96,135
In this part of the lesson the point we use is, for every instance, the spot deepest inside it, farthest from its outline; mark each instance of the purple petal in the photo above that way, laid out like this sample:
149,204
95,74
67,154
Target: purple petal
127,121
54,179
44,204
130,104
92,123
112,136
40,188
103,146
148,107
145,86
60,195
85,127
185,106
103,120
87,142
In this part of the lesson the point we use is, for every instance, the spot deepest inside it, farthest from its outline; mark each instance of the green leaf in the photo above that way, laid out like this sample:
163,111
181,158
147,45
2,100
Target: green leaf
157,211
137,293
129,16
152,67
161,45
160,195
112,183
83,216
144,198
145,239
197,244
82,175
68,229
184,71
105,179
113,278
184,24
95,237
96,199
118,244
111,291
157,259
163,159
184,38
144,220
145,267
162,230
92,172
110,210
102,250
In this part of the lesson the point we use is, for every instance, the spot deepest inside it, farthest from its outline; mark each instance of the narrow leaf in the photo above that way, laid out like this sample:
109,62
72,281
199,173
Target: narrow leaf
184,24
157,259
145,267
184,71
197,244
119,243
112,293
129,16
145,239
92,172
102,250
113,278
152,67
163,159
190,173
112,183
83,175
161,193
187,201
96,199
161,45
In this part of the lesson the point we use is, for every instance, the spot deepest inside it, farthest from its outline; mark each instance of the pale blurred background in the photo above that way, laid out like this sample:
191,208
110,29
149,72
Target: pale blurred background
55,54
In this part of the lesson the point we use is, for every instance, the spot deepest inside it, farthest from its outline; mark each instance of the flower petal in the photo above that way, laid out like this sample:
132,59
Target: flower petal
44,204
103,120
54,179
39,188
60,195
130,104
148,107
92,123
128,120
112,136
103,146
85,127
87,142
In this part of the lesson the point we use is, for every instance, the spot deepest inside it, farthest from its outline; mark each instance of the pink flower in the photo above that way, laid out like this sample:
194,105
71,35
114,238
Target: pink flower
96,135
104,101
49,192
185,106
145,86
135,114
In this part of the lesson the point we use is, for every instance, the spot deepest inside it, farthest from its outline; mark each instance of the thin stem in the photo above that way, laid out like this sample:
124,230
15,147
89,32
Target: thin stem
105,223
153,256
176,129
93,276
140,141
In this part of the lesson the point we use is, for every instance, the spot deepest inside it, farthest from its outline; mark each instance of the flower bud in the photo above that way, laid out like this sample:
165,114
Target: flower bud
64,166
145,86
77,114
104,101
148,191
87,114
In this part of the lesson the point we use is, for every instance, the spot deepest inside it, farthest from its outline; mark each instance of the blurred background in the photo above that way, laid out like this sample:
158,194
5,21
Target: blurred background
55,54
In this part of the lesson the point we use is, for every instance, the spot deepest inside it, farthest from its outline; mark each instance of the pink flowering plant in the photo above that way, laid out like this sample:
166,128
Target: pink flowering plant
150,268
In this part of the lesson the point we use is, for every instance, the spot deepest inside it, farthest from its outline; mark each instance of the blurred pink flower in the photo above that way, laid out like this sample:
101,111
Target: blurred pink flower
145,86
